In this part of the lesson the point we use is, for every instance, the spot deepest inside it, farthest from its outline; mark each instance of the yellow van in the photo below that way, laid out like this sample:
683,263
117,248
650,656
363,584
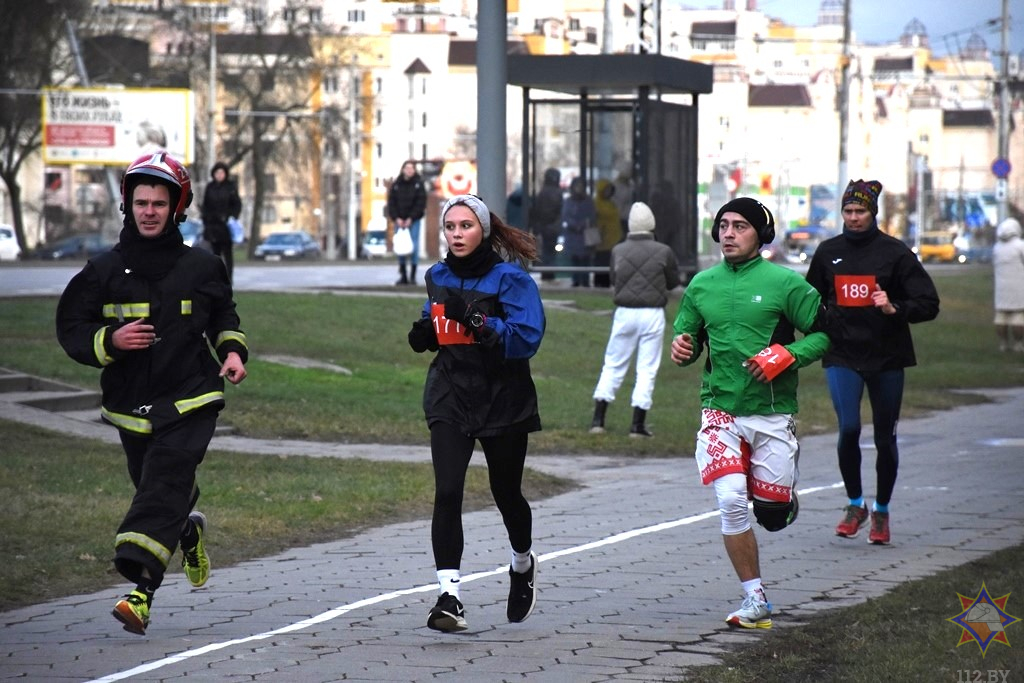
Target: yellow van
937,246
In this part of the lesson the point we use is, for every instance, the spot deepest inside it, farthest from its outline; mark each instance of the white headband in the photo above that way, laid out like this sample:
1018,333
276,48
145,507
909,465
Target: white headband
476,205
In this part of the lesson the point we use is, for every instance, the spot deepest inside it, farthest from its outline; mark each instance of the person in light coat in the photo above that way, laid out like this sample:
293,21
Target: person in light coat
1008,270
643,272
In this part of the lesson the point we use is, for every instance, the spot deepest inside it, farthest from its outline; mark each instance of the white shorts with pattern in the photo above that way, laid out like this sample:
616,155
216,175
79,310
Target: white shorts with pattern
764,448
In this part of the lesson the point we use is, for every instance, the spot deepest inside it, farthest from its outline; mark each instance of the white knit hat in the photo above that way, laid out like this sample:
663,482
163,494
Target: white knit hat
640,218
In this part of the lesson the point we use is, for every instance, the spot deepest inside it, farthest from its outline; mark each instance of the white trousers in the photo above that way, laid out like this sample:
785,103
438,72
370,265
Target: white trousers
633,329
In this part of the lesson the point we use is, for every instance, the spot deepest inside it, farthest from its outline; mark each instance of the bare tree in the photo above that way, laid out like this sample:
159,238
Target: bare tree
273,123
33,57
268,115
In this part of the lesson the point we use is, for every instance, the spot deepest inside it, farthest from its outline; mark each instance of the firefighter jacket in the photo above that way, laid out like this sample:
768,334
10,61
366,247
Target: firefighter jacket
191,309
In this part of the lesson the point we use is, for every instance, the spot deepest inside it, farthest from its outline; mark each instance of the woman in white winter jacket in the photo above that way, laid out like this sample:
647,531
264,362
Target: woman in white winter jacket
1008,268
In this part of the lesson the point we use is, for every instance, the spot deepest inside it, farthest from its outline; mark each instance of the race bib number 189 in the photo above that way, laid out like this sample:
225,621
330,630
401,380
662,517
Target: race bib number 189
854,290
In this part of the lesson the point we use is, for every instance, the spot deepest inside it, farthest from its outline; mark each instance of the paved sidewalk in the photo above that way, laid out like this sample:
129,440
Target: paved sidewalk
633,580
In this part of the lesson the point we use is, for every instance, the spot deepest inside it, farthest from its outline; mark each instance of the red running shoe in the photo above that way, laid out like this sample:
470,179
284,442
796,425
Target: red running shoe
853,519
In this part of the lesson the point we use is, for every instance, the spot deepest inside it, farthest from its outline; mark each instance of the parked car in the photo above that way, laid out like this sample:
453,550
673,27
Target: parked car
375,244
800,243
937,245
82,246
773,251
972,250
287,245
9,249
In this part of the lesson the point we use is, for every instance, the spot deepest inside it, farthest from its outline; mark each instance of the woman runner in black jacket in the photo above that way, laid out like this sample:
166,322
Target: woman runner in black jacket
484,318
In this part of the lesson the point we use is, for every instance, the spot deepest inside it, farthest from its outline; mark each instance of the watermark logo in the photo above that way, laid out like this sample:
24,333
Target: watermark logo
984,619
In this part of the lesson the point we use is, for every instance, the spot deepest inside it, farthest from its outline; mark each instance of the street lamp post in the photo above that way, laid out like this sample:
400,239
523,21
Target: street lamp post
211,113
1004,112
844,113
354,140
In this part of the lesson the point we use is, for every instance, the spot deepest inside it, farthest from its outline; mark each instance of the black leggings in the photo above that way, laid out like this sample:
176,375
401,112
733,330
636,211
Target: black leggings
451,451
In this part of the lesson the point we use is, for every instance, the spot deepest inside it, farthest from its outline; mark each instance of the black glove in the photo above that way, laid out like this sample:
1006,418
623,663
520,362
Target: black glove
422,337
455,308
487,337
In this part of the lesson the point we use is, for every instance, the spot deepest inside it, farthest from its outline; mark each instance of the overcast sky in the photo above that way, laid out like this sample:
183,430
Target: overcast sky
949,23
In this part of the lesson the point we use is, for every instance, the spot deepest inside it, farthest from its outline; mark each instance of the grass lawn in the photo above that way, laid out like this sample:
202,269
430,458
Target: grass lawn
904,635
380,401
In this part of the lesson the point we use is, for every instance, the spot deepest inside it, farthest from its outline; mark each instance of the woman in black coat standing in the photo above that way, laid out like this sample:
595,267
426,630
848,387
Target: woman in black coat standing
407,201
220,202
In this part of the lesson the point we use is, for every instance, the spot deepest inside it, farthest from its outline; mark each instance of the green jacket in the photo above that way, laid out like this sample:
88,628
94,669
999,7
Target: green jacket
738,310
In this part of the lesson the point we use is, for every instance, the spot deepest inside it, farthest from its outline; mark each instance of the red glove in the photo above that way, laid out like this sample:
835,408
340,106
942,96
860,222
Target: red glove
773,360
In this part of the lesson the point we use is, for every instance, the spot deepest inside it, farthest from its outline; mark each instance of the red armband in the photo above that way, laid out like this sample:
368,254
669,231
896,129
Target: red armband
773,360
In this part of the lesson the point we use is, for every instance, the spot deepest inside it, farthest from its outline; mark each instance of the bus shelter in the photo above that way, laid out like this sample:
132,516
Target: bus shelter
627,118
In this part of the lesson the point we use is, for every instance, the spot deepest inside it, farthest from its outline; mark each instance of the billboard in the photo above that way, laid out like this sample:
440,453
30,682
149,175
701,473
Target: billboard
115,126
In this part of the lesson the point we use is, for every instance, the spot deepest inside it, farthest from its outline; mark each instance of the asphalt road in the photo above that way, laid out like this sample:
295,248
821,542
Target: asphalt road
35,279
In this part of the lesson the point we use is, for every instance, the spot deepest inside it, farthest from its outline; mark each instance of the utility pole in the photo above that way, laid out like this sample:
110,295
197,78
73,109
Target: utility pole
211,110
354,139
491,77
1004,112
844,113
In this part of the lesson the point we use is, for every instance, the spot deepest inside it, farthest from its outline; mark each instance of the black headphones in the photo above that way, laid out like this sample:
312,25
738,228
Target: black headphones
745,206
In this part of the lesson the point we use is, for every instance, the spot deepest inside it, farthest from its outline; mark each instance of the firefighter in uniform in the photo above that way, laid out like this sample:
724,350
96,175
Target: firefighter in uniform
159,318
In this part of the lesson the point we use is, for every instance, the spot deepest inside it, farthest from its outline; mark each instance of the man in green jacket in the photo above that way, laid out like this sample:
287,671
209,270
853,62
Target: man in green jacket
744,311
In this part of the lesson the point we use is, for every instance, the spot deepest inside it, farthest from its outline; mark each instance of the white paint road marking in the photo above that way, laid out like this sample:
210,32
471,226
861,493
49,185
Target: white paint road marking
385,597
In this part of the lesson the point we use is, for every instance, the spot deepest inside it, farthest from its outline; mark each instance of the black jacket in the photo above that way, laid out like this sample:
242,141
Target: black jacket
220,202
864,338
407,198
546,211
479,390
191,308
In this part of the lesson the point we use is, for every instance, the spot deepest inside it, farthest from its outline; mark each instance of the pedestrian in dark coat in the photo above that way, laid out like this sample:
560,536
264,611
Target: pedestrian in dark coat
578,214
546,218
407,201
220,204
873,287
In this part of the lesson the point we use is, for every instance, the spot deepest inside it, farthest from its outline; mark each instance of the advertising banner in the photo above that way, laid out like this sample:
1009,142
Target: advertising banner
113,127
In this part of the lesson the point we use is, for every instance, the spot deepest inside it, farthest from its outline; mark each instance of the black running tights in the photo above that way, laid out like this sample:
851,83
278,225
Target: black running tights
451,452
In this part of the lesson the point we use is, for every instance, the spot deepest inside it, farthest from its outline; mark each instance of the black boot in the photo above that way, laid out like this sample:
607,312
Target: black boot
597,424
412,274
638,428
404,279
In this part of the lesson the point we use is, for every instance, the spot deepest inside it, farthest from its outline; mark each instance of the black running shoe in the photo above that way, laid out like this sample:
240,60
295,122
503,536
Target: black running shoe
522,593
447,615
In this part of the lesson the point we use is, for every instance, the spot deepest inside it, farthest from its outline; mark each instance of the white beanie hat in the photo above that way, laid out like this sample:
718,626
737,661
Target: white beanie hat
640,218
